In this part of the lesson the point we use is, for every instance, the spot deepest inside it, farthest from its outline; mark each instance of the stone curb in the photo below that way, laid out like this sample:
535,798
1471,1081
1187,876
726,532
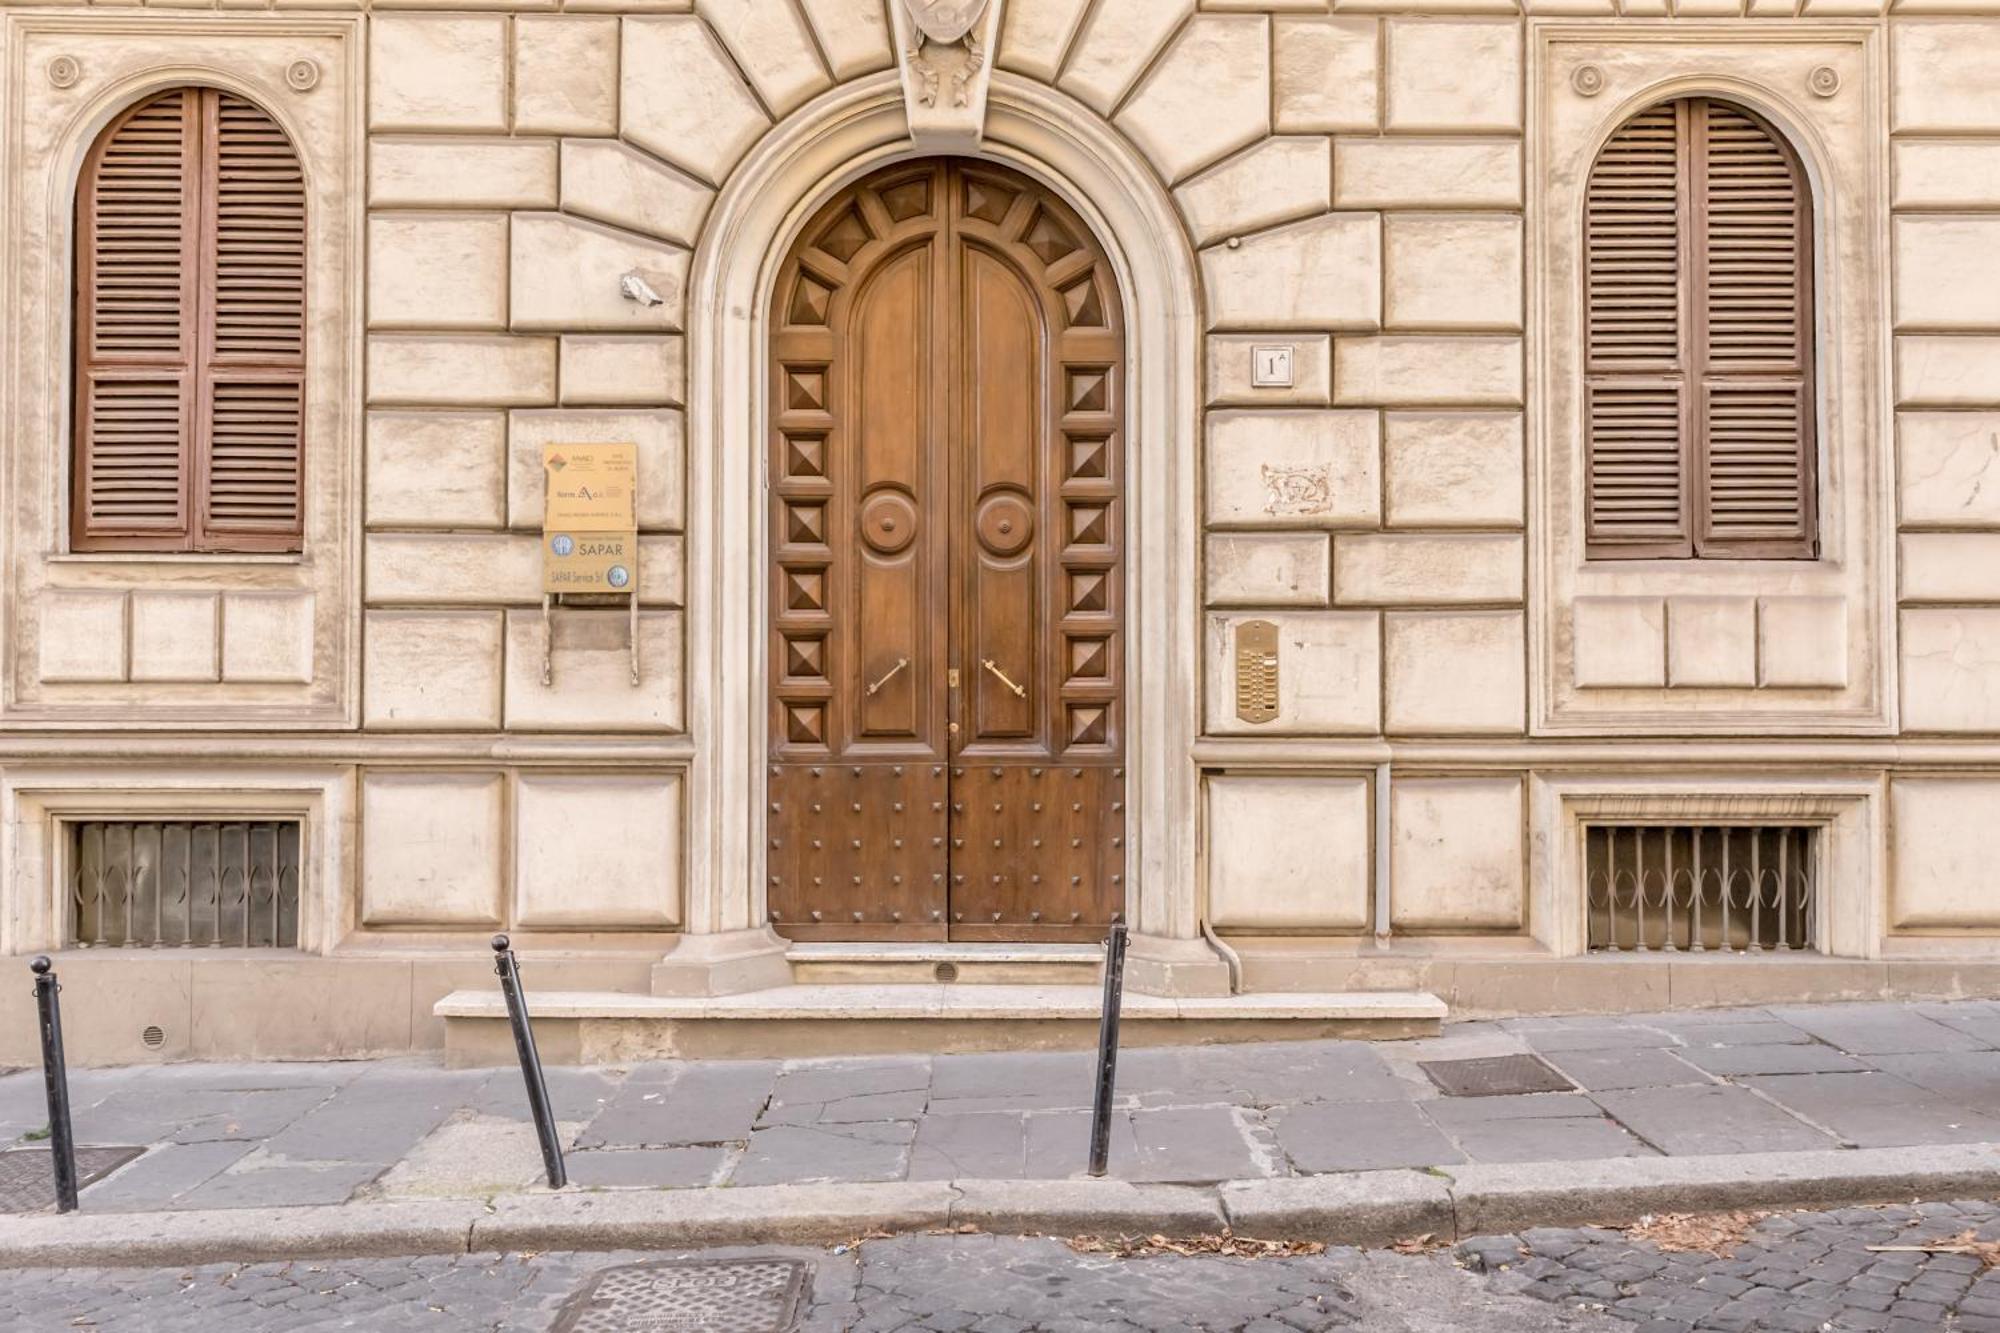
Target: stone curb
1360,1207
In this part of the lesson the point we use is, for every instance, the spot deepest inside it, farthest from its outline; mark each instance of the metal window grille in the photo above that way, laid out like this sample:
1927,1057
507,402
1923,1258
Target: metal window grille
1700,887
184,885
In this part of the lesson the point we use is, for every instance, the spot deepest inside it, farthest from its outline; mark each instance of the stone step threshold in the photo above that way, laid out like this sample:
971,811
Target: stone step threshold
940,951
612,1027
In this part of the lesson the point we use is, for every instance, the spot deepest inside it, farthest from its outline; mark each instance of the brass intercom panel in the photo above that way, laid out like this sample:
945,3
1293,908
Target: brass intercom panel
1256,671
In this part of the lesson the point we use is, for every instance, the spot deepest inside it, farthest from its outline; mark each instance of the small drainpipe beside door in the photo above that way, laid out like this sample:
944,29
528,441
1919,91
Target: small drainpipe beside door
1382,855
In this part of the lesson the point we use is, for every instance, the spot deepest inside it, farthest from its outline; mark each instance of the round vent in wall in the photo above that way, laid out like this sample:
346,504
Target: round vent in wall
947,971
154,1036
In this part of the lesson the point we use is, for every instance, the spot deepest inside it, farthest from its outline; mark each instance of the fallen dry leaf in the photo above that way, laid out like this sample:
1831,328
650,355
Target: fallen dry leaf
1987,1252
1417,1244
1708,1233
1226,1244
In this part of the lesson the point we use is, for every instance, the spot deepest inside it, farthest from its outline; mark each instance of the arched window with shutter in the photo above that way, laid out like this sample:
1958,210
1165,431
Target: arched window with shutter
190,331
1701,434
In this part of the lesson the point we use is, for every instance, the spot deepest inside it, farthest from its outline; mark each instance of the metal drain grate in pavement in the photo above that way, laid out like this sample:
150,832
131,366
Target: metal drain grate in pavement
27,1176
689,1296
1495,1076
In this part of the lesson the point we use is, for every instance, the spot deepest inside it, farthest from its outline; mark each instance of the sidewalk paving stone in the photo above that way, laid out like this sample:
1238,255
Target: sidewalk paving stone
1549,1126
1878,1029
982,1145
163,1175
1873,1110
1360,1136
1609,1068
655,1168
1192,1143
1972,1077
1017,1080
1808,1057
662,1107
1713,1118
797,1154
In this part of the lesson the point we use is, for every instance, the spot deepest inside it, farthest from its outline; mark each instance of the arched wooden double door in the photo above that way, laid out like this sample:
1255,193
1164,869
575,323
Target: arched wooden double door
946,720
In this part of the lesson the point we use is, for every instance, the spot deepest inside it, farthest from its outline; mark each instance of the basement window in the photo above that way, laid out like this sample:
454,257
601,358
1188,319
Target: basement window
1698,887
191,884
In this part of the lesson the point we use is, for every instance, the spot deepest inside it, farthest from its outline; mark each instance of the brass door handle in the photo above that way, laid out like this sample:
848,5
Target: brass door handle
889,675
987,662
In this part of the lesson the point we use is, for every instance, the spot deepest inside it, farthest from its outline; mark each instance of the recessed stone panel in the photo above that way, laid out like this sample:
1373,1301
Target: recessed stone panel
437,271
1619,642
1802,642
1325,273
1950,566
462,568
1414,371
1289,853
1326,73
613,369
597,851
1452,469
436,469
1451,271
565,74
682,98
1274,181
606,180
1455,673
1456,854
1453,74
459,171
1293,469
1939,370
1945,274
1268,569
83,637
267,638
1941,853
1942,76
432,848
175,636
1390,568
590,687
1208,95
1711,641
1426,173
1117,42
1329,674
571,275
412,370
431,671
1951,669
1949,468
1946,173
438,72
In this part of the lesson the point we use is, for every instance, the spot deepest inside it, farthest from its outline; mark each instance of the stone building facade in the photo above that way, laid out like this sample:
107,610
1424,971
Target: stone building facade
1377,704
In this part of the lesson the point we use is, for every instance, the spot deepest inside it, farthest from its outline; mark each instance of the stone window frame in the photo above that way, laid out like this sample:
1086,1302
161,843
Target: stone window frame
1822,84
36,802
68,76
1853,852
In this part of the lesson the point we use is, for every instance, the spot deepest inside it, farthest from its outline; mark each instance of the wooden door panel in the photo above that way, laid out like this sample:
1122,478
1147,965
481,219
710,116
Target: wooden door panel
947,563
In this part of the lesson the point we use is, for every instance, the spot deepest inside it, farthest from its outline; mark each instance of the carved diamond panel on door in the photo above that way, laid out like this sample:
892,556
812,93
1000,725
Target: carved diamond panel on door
946,607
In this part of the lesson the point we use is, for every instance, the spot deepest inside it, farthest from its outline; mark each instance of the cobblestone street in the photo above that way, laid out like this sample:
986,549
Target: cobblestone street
963,1284
1797,1272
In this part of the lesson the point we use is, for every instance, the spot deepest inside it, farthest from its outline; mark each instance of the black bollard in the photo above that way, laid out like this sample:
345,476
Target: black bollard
1107,1049
62,1144
531,1063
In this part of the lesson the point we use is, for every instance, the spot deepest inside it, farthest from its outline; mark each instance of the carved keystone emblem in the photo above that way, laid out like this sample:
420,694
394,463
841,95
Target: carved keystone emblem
945,21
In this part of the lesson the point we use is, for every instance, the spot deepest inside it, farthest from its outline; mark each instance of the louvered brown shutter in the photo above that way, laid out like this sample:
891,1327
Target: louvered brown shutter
1698,393
190,331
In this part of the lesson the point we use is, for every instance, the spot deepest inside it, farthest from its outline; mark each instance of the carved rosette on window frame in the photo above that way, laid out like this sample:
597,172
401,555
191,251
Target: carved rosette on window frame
944,49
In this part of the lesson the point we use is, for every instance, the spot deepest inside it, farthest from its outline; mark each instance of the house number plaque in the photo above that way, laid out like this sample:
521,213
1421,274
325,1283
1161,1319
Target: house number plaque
1256,671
